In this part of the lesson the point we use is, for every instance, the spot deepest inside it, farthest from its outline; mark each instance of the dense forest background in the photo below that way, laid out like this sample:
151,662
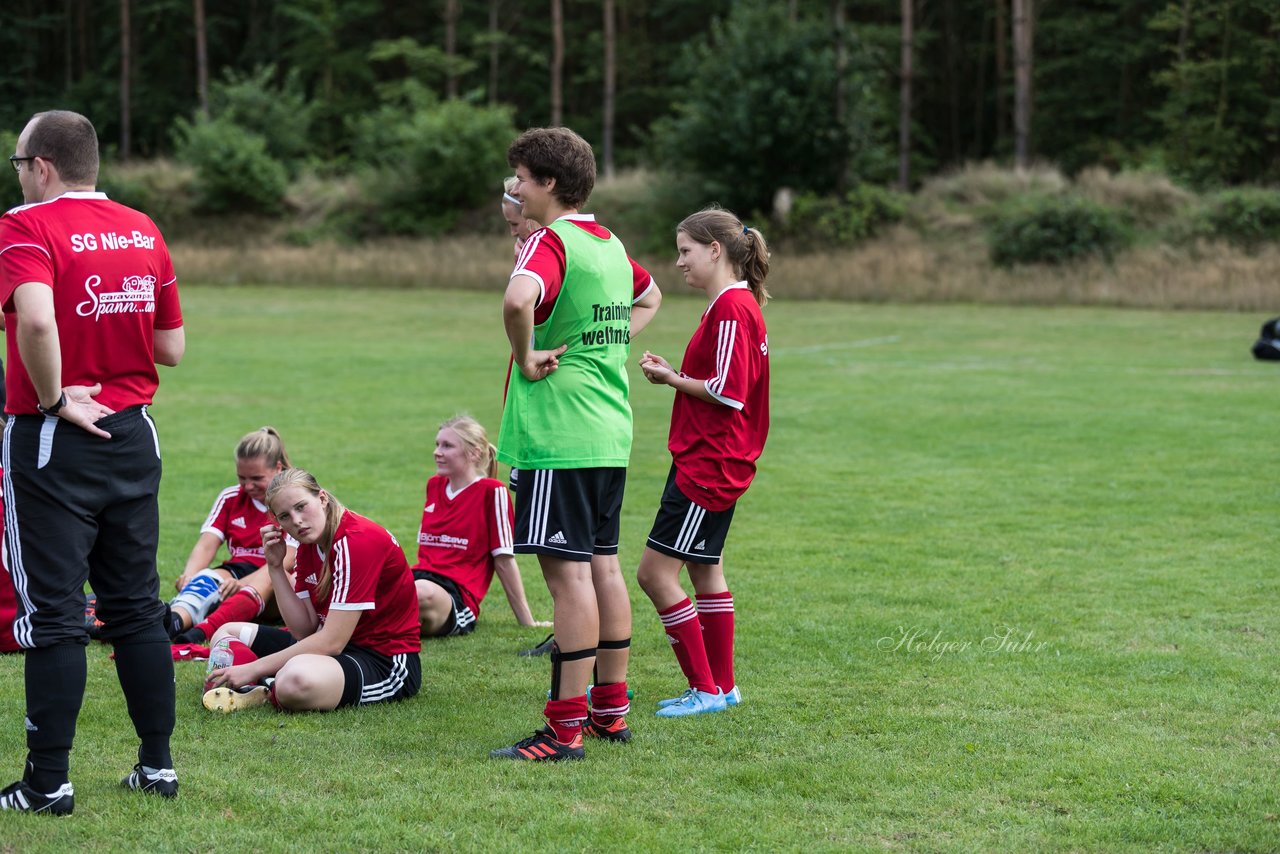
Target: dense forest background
415,102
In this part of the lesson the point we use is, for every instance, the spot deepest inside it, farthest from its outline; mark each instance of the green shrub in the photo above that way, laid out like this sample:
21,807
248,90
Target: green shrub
823,221
429,163
756,112
1246,216
162,189
643,207
277,111
1054,230
234,171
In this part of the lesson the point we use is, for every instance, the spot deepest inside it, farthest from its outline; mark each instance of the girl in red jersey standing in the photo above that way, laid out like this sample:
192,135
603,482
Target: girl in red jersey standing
239,589
352,613
719,423
465,536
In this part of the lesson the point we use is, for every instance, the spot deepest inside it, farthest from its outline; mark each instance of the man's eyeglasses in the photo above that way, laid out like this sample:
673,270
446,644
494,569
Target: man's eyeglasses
15,160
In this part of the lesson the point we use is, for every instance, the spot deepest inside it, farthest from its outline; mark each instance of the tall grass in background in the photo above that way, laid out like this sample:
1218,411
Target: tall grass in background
1182,255
1004,583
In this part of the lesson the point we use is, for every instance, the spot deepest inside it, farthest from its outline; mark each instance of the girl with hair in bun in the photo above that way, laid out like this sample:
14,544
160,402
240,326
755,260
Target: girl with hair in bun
352,615
465,538
239,588
719,422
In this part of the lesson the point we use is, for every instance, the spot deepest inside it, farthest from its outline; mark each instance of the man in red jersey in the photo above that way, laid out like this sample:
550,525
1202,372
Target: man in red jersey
91,307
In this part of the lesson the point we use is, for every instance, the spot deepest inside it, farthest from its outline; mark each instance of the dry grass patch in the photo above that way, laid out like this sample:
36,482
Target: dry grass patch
898,267
467,263
1151,198
902,267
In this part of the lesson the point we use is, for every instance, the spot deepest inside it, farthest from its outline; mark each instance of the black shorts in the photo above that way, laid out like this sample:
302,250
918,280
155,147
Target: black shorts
238,568
370,677
683,529
82,508
461,621
569,513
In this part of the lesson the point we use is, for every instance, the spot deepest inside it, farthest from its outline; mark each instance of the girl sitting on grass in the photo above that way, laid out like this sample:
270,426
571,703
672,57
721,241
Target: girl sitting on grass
352,612
240,583
465,537
719,422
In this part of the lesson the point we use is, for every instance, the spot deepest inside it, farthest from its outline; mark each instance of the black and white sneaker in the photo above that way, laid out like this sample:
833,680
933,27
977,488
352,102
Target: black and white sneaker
20,796
157,781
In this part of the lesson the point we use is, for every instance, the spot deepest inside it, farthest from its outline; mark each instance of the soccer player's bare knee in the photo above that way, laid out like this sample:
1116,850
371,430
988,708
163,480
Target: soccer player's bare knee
568,580
246,633
658,575
707,578
434,604
295,685
309,682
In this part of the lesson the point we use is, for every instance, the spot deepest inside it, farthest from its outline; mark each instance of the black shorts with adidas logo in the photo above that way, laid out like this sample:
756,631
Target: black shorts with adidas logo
569,513
684,530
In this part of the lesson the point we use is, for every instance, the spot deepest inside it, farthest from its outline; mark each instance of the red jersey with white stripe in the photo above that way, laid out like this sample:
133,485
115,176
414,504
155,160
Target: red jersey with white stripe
462,532
238,519
371,575
113,286
542,259
715,445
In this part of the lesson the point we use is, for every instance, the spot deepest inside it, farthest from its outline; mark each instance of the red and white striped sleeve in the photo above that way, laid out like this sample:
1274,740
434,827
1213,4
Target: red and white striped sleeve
731,327
352,590
501,522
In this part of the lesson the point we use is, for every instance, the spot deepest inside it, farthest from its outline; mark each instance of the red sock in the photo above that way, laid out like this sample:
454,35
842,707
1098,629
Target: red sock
566,716
684,630
609,701
716,612
242,607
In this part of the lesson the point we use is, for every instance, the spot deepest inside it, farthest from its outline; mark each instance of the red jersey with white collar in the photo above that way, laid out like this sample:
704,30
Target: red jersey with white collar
715,445
238,519
371,575
542,259
113,286
462,532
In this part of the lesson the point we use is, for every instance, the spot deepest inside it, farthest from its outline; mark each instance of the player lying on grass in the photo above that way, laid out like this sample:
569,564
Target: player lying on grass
239,588
352,612
719,422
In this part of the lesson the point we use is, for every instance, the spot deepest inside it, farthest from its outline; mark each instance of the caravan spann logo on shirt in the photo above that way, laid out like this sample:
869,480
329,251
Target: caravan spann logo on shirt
137,295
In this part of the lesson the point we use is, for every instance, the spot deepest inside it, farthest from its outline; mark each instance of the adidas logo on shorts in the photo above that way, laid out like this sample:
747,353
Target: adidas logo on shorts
558,539
702,544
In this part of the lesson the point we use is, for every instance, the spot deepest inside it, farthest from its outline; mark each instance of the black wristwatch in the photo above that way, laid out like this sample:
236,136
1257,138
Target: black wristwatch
56,408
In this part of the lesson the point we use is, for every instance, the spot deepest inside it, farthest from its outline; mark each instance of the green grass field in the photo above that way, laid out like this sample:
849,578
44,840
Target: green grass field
1005,582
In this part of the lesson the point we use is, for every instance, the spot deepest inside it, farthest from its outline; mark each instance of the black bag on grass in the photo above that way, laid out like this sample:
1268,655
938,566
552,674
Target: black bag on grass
1267,347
